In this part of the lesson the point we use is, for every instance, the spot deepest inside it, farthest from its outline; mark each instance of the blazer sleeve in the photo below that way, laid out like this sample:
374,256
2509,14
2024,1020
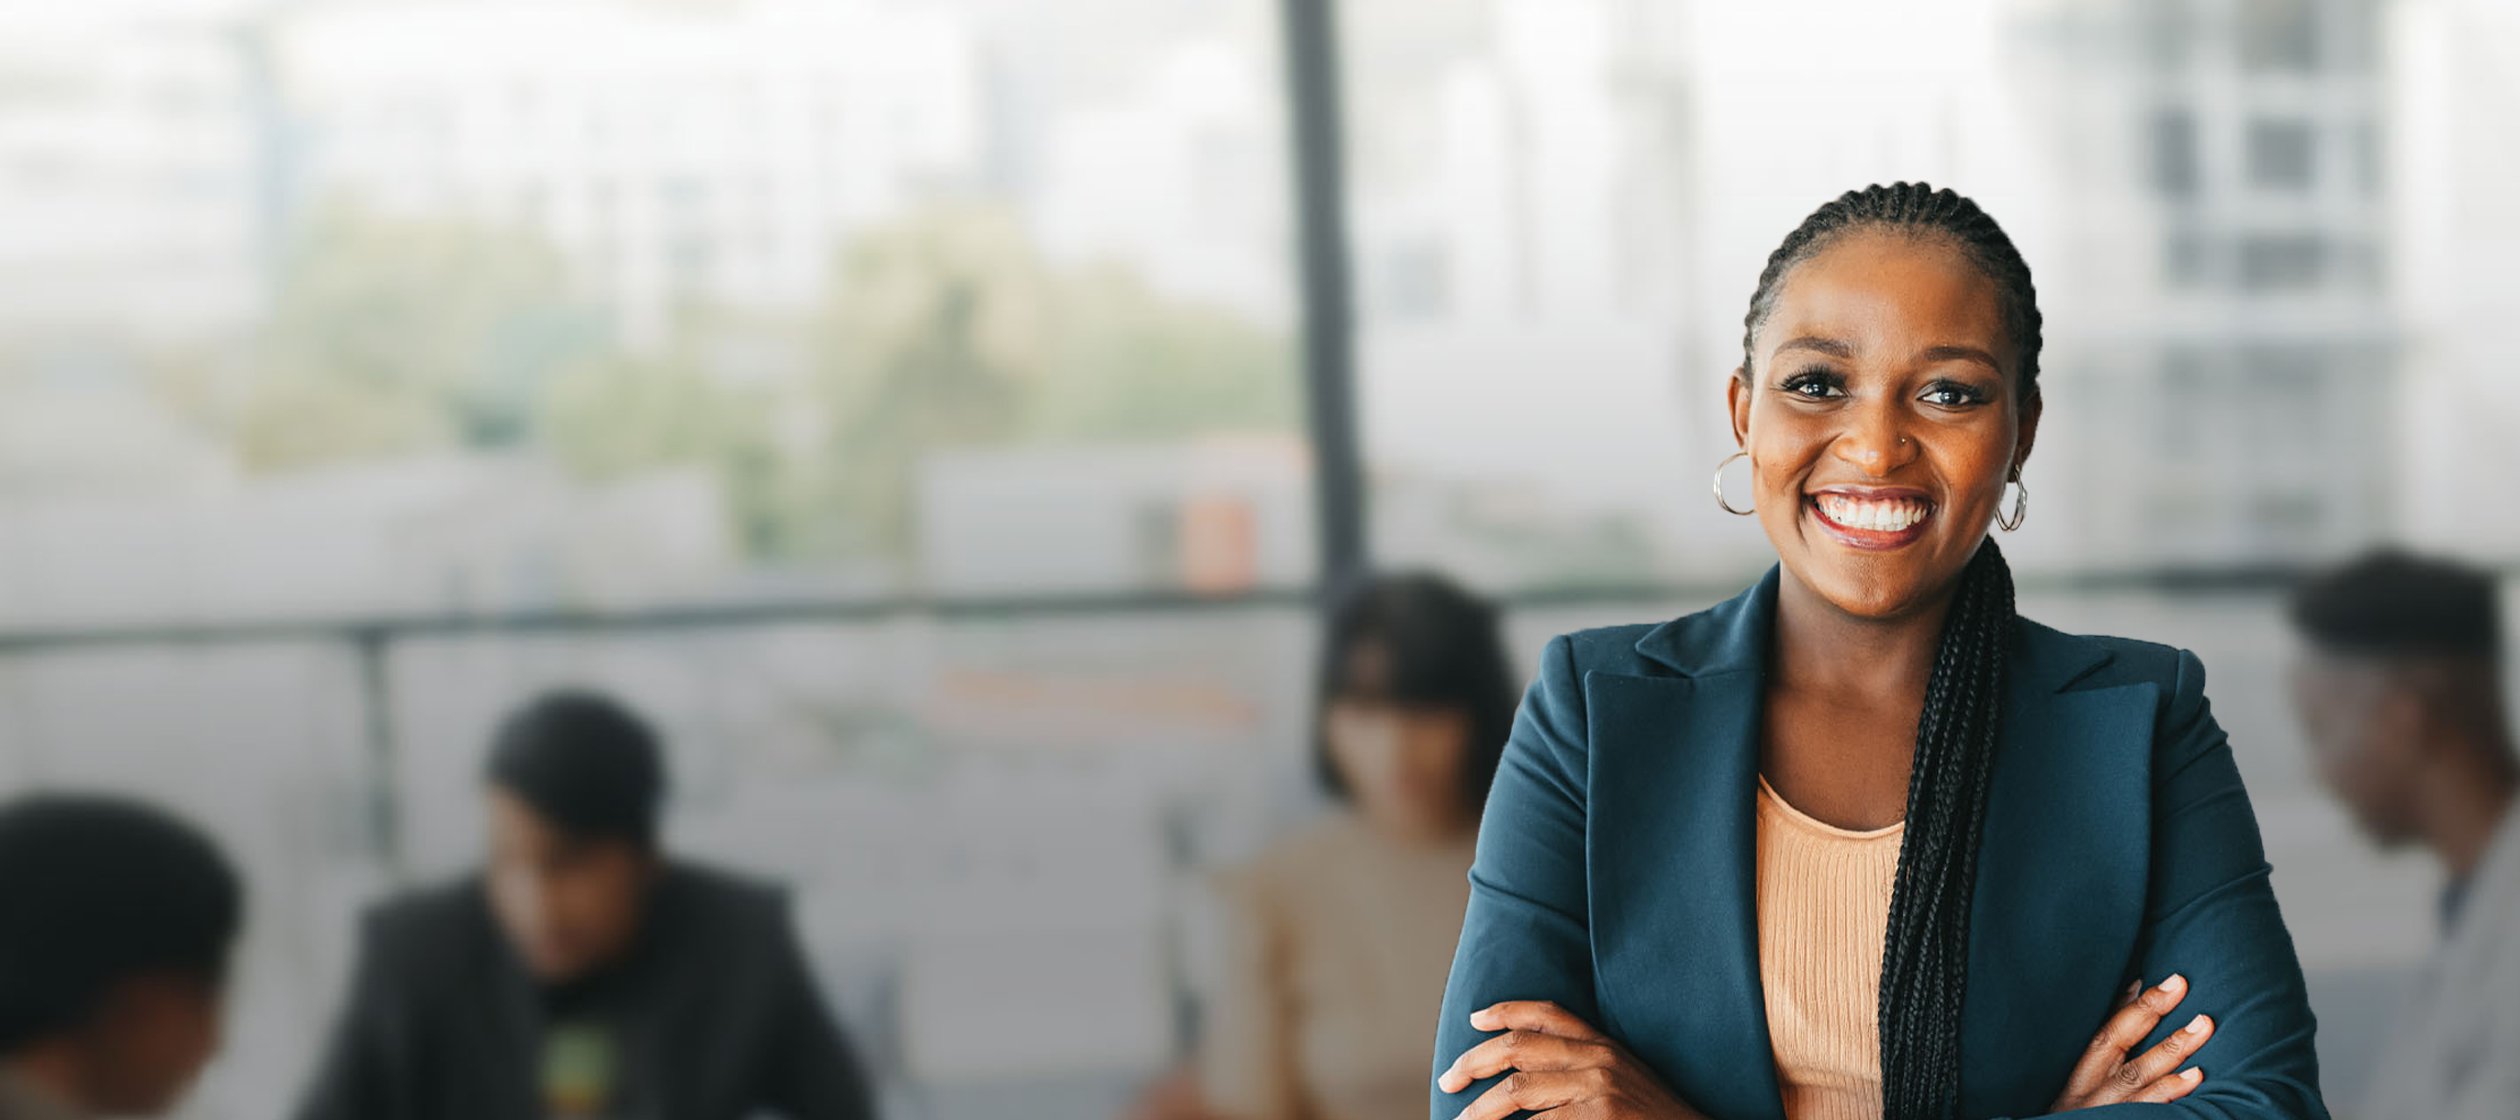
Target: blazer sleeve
1526,934
2210,916
814,1074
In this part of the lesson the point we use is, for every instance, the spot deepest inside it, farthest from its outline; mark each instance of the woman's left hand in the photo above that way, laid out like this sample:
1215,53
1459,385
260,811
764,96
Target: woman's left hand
1559,1062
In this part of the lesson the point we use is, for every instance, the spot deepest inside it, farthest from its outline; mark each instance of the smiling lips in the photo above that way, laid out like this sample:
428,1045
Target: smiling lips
1870,519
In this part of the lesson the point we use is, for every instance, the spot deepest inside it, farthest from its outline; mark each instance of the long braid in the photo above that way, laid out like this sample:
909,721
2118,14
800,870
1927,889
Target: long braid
1925,956
1924,960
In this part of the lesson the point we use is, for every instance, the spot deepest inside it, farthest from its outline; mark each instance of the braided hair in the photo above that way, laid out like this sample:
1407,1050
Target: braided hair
1924,960
1920,211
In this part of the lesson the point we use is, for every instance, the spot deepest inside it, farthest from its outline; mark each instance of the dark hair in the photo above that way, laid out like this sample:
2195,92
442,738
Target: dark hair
1921,210
1925,956
102,890
2388,602
1443,649
585,763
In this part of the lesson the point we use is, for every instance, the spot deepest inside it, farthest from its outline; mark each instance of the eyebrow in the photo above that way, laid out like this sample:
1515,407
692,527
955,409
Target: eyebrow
1829,346
1961,353
1837,348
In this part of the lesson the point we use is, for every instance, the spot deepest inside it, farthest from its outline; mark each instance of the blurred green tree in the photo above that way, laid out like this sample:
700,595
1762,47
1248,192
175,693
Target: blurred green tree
946,328
949,328
388,336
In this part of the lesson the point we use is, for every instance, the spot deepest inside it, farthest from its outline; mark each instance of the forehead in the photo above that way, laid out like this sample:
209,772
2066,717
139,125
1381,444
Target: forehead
2340,678
1889,291
1366,665
515,822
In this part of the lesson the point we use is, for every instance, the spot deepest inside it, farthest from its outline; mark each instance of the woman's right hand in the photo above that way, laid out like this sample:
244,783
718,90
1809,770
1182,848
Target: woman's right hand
2107,1075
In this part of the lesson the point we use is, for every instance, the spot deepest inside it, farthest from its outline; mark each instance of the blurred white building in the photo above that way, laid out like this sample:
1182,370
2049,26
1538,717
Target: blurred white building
1521,176
2218,287
2454,97
678,153
1180,173
129,180
722,153
1518,161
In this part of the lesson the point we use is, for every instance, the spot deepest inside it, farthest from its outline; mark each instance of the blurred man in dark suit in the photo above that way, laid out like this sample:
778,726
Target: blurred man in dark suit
584,973
116,922
2400,692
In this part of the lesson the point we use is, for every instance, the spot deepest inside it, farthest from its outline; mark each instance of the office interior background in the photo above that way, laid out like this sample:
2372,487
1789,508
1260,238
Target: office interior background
940,416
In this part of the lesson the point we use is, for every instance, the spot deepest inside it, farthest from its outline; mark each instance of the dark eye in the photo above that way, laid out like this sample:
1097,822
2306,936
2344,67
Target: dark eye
1954,394
1813,384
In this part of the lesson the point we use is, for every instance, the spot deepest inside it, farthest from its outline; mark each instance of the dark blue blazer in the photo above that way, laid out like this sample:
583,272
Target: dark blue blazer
1615,872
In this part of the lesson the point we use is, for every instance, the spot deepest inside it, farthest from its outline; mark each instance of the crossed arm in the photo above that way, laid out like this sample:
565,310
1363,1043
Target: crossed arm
1523,968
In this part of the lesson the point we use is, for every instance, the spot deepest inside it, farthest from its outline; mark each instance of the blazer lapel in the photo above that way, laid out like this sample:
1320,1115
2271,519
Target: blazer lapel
2062,868
1672,849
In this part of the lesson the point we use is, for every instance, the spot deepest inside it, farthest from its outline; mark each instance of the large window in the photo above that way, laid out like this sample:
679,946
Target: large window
453,286
1592,187
905,403
896,400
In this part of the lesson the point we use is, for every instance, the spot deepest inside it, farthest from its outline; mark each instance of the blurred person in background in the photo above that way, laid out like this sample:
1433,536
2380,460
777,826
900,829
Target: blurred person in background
115,935
2399,691
1335,938
1862,841
584,972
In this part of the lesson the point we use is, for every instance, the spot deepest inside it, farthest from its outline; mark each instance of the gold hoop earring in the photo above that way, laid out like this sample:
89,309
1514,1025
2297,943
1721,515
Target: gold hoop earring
1719,486
2020,506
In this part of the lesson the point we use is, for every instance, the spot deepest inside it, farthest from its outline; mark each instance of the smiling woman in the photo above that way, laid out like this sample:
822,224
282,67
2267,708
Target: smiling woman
1681,905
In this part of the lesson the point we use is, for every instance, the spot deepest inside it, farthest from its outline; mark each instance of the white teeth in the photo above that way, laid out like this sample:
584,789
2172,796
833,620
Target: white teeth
1887,516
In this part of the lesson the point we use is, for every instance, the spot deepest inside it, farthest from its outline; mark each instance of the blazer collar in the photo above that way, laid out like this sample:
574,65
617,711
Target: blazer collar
1731,636
1675,871
1734,636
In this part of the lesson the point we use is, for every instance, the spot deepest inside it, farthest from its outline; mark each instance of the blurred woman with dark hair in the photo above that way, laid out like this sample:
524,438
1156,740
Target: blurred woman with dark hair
1336,938
1416,698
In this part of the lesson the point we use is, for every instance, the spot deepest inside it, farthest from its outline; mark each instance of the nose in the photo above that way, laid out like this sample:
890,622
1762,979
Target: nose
1875,440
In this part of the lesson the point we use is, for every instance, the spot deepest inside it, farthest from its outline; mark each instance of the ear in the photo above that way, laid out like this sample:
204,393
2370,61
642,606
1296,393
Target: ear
130,1007
2425,709
1737,397
2028,433
150,995
2398,717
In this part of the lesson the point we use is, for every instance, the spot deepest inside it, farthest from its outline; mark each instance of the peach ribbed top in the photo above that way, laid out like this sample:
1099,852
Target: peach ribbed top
1824,909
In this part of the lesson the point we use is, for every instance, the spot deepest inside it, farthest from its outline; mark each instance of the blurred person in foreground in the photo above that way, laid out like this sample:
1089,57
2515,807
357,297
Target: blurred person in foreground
1336,937
114,946
584,972
2400,693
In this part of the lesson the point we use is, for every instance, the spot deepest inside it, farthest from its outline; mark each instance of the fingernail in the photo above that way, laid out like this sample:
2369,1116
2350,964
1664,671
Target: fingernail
2175,984
2197,1025
2191,1075
1481,1018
